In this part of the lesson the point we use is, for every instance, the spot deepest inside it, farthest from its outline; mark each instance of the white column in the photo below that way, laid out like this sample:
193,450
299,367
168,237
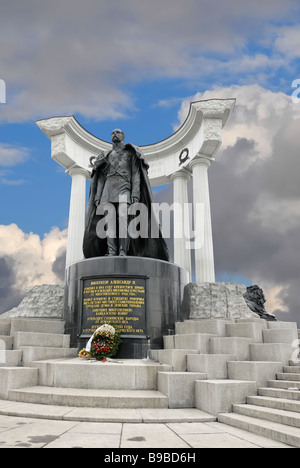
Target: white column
77,214
204,253
182,252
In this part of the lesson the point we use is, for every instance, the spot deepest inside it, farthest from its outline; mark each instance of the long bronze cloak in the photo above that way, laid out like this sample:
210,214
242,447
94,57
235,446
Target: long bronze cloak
150,247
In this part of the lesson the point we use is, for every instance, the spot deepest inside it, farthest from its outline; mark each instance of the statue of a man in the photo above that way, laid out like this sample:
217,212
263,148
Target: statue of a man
119,181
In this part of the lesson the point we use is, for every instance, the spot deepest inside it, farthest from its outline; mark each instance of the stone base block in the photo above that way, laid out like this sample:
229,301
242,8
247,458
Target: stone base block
239,347
48,340
129,399
281,325
218,396
169,342
37,326
260,372
6,342
5,327
216,300
177,358
11,358
253,330
286,335
210,326
125,375
198,341
273,352
18,377
35,353
179,387
213,365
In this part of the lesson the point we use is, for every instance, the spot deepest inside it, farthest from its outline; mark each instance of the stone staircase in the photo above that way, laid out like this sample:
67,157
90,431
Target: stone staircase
38,367
238,371
275,412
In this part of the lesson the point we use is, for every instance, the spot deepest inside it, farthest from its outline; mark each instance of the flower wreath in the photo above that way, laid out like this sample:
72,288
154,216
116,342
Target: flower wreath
104,343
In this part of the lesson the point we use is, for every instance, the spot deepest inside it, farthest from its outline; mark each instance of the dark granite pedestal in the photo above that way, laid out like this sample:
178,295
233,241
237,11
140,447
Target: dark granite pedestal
143,296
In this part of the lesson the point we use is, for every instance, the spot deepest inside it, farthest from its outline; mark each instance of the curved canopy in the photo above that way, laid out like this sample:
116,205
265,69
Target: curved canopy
201,134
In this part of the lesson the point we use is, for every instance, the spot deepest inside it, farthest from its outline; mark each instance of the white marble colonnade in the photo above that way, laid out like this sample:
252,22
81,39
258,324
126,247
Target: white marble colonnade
188,153
182,253
76,213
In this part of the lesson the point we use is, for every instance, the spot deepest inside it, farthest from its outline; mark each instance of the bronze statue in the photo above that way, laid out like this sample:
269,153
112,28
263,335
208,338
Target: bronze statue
255,300
119,182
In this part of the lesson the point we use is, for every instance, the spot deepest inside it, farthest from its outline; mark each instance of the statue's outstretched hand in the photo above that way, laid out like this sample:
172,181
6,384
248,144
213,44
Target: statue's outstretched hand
100,160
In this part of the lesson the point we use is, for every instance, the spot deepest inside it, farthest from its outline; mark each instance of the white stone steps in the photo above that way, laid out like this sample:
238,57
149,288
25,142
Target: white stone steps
11,358
283,384
179,387
286,335
288,376
198,341
177,358
258,371
214,327
280,325
6,342
295,369
279,393
215,366
287,418
275,403
252,330
5,327
294,364
218,396
36,353
238,346
104,415
131,374
279,432
16,377
271,352
47,340
37,326
89,398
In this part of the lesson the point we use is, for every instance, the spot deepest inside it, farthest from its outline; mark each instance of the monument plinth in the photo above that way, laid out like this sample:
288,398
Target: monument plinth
142,296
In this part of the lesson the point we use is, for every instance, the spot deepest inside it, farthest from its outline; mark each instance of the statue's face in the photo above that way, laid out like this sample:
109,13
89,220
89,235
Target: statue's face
117,136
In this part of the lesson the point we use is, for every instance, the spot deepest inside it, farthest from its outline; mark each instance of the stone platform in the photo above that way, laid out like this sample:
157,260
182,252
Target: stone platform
244,373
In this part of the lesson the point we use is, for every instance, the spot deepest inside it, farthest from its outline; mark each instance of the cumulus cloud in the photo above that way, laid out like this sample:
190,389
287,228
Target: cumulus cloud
74,57
11,156
288,40
27,260
255,194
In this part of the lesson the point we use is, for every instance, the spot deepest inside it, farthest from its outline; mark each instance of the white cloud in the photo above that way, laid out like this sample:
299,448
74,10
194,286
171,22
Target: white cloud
11,156
69,57
255,193
258,116
288,41
5,179
31,258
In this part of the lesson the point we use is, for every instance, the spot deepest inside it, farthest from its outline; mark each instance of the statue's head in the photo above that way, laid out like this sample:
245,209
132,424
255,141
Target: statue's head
118,136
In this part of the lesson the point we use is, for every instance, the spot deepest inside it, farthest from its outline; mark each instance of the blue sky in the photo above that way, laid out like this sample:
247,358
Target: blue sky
137,65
